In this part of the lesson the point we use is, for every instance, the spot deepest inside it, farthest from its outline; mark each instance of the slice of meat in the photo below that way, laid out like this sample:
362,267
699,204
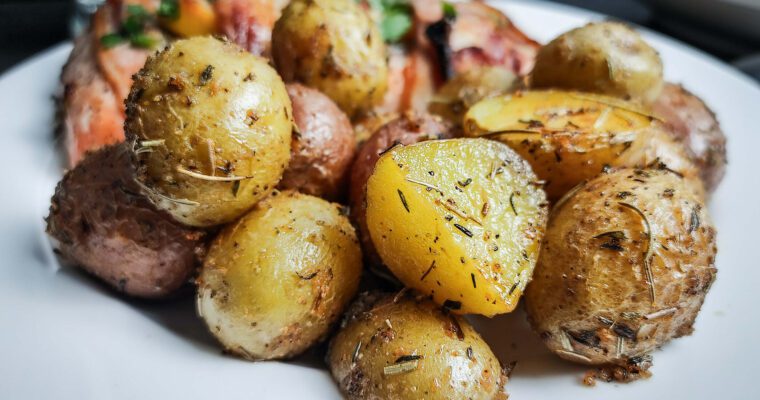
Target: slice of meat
102,222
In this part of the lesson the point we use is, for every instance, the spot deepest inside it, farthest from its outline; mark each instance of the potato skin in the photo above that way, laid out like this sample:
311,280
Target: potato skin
409,128
590,288
460,220
600,57
220,123
103,224
569,137
692,123
276,280
322,148
454,363
334,46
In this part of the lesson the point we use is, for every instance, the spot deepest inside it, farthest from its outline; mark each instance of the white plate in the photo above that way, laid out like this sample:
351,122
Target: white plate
64,336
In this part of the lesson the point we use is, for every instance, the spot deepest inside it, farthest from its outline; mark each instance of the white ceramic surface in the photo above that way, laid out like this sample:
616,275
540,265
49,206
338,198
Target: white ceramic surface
64,336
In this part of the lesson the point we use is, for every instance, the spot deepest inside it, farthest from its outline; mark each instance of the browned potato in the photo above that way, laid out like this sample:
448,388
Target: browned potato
102,223
600,57
695,125
370,123
569,137
409,128
400,347
276,280
323,145
625,266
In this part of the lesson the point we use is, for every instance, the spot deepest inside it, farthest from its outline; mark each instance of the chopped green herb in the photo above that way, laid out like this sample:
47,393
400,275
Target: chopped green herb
463,230
403,199
111,40
168,9
206,75
143,41
449,12
396,23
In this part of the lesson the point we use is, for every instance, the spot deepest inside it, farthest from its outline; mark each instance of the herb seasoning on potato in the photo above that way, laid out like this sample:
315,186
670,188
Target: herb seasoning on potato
458,219
211,128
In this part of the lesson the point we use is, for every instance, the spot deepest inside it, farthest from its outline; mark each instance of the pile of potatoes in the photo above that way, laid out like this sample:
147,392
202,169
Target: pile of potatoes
564,186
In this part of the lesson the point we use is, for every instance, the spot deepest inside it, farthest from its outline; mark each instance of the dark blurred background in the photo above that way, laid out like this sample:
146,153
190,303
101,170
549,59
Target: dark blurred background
715,26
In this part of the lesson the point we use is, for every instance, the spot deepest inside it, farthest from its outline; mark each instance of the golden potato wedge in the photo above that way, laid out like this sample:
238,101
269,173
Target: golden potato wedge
625,265
274,282
569,137
211,127
458,219
404,347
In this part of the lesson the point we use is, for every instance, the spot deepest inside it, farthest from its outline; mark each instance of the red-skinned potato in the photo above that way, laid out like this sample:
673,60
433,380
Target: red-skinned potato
322,147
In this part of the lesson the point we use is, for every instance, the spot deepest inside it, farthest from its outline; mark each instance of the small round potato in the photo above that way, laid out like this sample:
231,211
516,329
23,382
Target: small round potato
323,145
601,57
400,347
211,127
334,46
625,266
409,128
275,281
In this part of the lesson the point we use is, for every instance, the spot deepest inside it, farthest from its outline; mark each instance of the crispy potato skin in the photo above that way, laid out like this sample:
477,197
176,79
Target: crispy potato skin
103,224
569,137
602,57
590,288
219,119
460,220
694,124
409,128
322,148
276,280
454,363
334,46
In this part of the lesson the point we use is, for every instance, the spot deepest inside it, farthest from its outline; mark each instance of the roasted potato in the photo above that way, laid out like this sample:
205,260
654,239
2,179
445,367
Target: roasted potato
323,145
408,128
625,265
211,128
462,91
601,57
460,220
275,281
400,347
334,46
101,222
368,124
569,137
694,124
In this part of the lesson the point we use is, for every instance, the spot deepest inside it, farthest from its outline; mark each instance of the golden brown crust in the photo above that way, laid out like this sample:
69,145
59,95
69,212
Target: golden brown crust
695,125
323,145
103,223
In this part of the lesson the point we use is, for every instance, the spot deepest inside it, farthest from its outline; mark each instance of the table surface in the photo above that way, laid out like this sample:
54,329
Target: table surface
29,26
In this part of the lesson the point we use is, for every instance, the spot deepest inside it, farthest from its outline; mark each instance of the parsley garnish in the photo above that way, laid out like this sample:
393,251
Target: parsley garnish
396,18
168,9
132,30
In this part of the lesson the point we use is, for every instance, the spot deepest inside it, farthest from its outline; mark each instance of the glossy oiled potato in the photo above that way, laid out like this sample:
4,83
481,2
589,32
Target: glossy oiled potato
323,145
103,224
569,137
458,219
334,46
211,129
274,282
601,57
462,91
409,128
692,123
399,347
625,266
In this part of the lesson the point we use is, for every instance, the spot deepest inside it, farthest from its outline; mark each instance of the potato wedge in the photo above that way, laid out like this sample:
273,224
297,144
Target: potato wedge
569,137
625,266
459,219
275,281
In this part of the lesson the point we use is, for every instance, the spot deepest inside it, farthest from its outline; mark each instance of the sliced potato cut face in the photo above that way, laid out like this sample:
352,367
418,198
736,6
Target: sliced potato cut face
460,219
569,137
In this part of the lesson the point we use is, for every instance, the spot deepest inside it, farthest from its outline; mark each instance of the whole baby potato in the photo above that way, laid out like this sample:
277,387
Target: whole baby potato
600,57
275,281
211,127
625,266
402,347
323,145
569,137
460,220
334,46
